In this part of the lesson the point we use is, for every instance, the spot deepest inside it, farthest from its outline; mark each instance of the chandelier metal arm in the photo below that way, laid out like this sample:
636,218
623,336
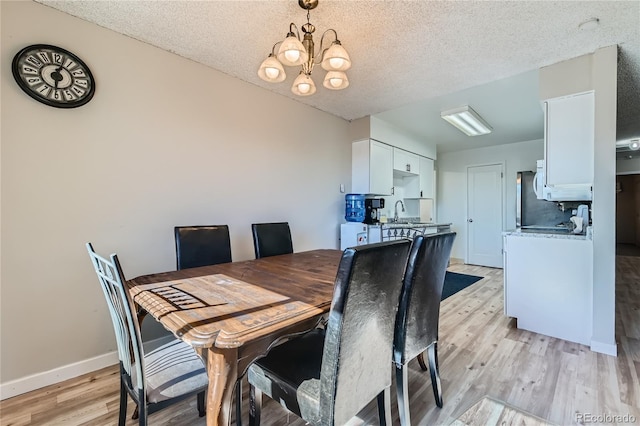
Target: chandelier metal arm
273,49
291,33
322,49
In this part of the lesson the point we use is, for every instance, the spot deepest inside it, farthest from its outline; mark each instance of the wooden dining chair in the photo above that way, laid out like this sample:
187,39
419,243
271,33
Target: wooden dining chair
416,325
328,375
202,245
271,239
156,379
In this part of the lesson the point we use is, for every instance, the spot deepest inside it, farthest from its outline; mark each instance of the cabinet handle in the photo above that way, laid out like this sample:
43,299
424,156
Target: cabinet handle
420,194
393,188
470,220
408,167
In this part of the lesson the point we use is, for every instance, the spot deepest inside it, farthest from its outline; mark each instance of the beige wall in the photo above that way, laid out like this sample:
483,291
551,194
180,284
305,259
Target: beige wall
164,142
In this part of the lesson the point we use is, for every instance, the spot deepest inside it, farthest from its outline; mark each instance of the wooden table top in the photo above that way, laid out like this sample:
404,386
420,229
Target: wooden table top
229,304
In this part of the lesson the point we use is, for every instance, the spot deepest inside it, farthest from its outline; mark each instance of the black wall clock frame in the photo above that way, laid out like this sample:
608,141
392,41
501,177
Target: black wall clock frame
53,75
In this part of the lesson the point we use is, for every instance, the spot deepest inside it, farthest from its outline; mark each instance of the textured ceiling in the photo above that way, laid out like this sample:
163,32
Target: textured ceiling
410,58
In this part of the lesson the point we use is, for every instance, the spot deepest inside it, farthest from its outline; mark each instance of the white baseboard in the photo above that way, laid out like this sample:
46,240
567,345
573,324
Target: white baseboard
604,348
66,372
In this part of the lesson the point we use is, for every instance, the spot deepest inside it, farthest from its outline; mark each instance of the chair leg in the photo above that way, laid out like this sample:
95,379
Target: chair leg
421,361
402,391
384,407
432,352
255,405
136,414
142,420
123,405
239,402
202,409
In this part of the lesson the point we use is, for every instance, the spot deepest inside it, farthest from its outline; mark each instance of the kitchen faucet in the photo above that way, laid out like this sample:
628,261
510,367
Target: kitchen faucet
395,215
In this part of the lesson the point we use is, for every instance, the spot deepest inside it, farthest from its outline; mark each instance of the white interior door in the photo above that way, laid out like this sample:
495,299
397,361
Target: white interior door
484,215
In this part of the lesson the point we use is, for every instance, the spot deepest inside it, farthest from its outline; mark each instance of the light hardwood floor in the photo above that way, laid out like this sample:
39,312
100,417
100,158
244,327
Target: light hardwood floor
481,354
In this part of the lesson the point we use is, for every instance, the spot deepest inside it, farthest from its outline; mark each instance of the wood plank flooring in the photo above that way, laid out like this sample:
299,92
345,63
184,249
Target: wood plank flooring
481,354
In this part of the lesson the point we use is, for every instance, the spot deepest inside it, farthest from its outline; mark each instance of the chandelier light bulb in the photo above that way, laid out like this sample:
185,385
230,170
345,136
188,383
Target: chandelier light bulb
303,85
336,63
304,88
292,52
336,58
272,73
336,80
271,70
292,55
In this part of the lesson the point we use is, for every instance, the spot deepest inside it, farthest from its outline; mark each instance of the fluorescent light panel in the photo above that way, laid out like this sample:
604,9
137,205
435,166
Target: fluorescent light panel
467,120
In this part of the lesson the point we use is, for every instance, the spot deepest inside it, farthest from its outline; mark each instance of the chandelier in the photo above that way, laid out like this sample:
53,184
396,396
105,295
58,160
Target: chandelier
294,52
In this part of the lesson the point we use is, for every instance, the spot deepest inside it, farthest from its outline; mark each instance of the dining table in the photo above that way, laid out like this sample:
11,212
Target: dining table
232,313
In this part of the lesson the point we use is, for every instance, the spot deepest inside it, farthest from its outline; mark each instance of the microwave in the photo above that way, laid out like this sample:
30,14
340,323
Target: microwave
568,192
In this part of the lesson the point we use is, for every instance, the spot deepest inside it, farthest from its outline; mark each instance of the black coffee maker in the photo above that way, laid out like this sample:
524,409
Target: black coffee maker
371,206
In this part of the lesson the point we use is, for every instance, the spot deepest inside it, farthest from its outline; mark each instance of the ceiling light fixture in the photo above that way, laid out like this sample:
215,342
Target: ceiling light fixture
467,120
628,145
296,52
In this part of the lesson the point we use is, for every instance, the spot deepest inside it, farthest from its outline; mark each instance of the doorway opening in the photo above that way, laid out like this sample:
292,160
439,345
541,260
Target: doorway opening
628,215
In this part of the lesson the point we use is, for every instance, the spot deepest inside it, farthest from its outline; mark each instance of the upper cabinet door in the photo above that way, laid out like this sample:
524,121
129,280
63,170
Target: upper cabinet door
405,163
381,171
569,140
371,168
427,181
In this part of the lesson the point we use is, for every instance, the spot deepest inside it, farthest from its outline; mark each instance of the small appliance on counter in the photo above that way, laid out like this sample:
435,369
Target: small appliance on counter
362,209
372,210
362,214
580,219
354,210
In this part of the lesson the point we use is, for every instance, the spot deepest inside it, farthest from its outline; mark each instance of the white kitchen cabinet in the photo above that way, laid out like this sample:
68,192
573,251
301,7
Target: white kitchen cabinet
405,162
371,167
427,181
548,285
569,140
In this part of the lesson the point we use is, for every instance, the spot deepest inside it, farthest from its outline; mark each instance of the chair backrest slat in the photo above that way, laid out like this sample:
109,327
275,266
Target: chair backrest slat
359,335
122,311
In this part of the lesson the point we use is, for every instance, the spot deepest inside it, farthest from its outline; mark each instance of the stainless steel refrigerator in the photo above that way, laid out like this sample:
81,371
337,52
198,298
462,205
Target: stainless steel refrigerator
532,213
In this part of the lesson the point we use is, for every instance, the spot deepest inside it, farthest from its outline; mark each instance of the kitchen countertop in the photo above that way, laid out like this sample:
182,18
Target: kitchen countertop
536,233
414,225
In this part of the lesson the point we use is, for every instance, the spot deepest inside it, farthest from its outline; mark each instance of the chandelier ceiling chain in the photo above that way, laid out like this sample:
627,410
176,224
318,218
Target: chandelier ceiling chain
294,51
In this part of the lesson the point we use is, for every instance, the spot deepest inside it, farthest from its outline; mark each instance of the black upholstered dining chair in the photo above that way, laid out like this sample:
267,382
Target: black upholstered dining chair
416,327
328,375
271,239
202,245
205,245
156,379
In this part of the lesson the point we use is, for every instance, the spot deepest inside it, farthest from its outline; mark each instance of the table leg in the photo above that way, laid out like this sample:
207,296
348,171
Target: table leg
222,369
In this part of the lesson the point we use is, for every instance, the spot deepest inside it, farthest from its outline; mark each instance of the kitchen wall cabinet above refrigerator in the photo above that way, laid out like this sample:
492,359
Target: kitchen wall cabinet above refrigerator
569,148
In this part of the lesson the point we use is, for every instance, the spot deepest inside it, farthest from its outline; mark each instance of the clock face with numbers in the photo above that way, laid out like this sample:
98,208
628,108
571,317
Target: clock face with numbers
53,76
